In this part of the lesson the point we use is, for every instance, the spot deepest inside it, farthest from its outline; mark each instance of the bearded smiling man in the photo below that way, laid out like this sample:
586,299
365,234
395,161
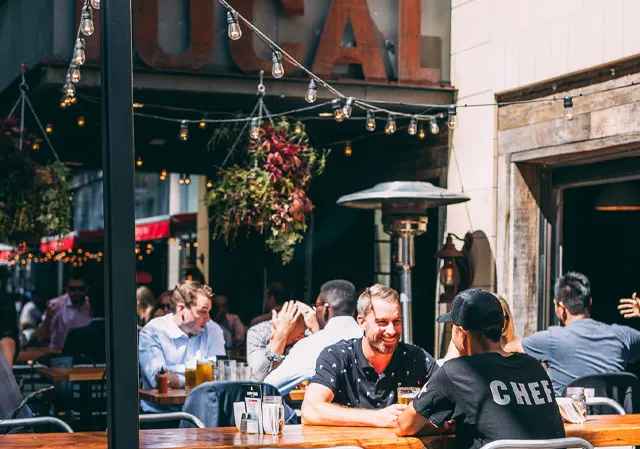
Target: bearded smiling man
356,380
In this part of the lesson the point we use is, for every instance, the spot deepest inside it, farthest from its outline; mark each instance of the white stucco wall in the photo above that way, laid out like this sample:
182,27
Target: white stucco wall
499,45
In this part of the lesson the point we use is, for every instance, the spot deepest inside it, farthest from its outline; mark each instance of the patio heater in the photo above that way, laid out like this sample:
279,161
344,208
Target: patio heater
404,207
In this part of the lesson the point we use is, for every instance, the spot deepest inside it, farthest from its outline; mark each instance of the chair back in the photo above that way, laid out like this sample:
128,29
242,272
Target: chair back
623,388
212,403
555,443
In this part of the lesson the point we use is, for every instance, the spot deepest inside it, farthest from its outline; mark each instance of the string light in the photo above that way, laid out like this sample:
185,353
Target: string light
163,174
433,126
69,88
181,180
347,108
277,69
184,131
86,21
371,121
421,133
568,108
338,113
233,30
48,128
203,123
254,132
453,117
95,4
81,122
195,244
35,146
187,179
187,244
413,126
348,151
390,126
312,91
78,52
139,161
75,74
209,184
73,100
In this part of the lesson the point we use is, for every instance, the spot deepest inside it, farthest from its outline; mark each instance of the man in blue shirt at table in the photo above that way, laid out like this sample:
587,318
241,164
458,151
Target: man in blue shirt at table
186,334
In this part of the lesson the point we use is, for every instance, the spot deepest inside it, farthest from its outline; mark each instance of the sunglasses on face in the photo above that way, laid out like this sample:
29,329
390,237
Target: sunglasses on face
166,306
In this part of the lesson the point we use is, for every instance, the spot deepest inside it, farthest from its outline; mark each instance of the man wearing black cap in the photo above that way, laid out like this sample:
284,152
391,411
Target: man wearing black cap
491,394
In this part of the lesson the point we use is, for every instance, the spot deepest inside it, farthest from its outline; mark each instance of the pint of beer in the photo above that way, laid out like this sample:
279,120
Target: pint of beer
204,372
406,394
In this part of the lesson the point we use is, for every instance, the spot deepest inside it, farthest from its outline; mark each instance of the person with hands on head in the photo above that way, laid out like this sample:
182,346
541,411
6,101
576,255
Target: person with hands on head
356,380
487,392
630,307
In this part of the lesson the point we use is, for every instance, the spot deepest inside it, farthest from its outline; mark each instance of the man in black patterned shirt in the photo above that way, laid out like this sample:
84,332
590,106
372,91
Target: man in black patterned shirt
356,380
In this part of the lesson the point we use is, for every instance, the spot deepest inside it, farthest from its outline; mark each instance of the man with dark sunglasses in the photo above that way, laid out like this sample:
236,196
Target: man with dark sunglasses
65,312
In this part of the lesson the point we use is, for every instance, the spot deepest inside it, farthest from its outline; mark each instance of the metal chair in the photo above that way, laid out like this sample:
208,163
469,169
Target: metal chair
607,402
622,387
556,443
172,416
37,421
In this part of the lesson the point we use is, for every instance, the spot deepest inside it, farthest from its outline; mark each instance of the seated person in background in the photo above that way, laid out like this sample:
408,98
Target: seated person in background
268,341
65,312
507,336
145,303
234,330
88,341
186,334
581,345
491,394
356,380
275,296
9,336
30,317
335,306
164,305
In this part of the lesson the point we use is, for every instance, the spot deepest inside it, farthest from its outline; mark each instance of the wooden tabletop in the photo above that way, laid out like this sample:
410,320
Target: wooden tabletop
34,353
172,397
297,395
75,374
606,430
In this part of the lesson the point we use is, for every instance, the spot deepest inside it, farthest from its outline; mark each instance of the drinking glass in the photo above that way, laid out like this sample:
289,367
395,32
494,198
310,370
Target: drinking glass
578,400
272,415
190,374
204,371
406,394
243,372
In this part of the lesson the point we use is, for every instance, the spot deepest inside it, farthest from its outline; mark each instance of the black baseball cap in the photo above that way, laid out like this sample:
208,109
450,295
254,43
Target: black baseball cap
475,310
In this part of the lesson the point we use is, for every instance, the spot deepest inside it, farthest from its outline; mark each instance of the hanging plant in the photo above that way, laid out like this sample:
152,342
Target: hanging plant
268,193
34,199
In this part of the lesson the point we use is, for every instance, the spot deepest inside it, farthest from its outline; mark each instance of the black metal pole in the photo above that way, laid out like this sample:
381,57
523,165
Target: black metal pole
119,224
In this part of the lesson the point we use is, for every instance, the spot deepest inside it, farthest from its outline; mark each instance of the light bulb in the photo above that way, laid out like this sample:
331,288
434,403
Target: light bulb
390,127
48,128
298,128
348,151
312,91
277,70
64,102
86,21
184,131
568,108
75,74
254,132
371,121
421,133
187,180
203,124
95,4
234,31
433,126
69,90
347,108
139,161
81,122
73,100
209,184
453,118
181,180
413,126
35,146
338,113
78,52
163,173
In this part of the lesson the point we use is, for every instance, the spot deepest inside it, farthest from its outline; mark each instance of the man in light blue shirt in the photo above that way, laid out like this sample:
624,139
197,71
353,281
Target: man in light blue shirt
184,335
335,306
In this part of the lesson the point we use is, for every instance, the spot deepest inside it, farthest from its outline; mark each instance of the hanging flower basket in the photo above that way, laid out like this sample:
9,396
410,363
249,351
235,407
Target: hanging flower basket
268,193
34,199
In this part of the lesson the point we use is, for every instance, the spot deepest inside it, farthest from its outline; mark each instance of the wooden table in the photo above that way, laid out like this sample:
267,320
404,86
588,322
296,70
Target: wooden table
34,353
607,430
172,397
74,374
297,395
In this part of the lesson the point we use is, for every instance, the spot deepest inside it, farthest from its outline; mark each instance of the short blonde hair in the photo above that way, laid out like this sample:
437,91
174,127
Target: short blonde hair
377,291
186,293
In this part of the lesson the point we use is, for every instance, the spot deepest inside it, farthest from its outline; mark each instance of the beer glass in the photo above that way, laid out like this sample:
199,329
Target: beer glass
406,394
272,415
204,371
190,374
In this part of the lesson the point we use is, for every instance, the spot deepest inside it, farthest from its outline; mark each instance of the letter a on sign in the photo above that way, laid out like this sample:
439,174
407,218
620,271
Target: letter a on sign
365,54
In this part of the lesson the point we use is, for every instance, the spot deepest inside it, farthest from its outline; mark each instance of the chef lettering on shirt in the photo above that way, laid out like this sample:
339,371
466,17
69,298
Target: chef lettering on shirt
490,393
